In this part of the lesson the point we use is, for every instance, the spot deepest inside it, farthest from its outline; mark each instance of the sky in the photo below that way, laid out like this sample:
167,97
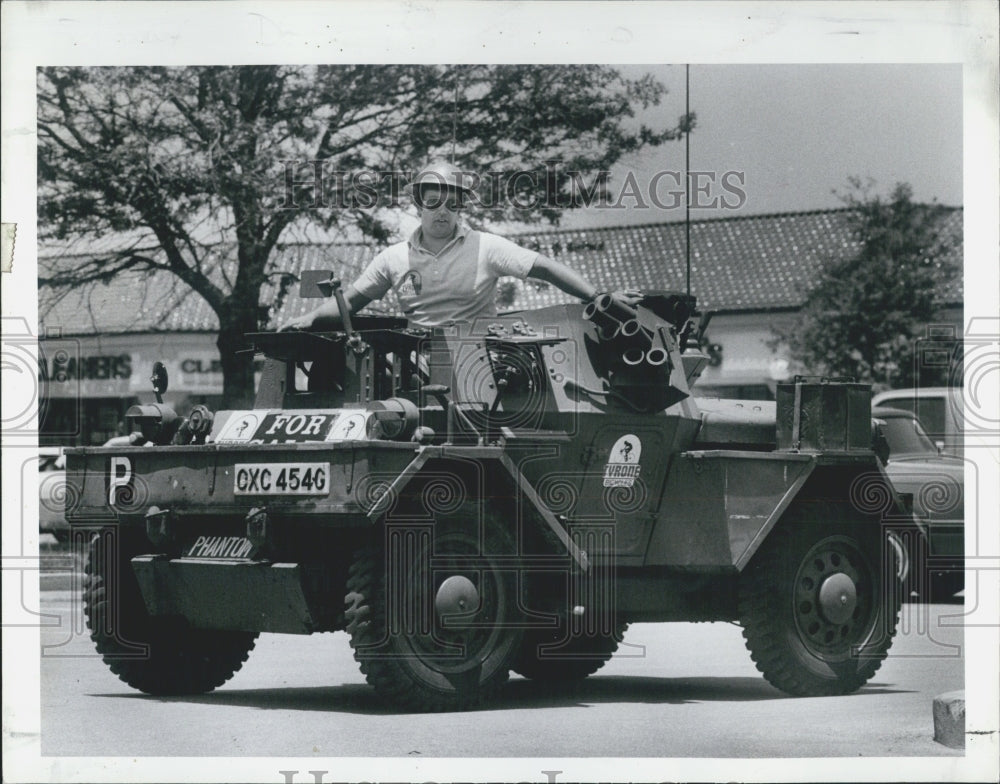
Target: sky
797,133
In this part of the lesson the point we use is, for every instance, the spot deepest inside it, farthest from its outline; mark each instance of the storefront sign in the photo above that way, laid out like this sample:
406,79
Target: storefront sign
199,372
63,368
71,368
201,365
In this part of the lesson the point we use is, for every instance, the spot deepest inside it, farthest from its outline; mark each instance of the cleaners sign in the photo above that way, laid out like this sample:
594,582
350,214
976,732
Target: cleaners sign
623,462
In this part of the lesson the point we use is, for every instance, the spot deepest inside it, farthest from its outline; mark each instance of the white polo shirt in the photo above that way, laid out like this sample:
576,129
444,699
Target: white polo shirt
457,284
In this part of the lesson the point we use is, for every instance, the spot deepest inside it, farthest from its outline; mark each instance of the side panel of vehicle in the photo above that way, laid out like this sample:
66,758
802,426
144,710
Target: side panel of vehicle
627,468
719,506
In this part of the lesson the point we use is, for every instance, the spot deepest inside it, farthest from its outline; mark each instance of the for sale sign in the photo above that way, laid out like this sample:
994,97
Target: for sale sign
295,427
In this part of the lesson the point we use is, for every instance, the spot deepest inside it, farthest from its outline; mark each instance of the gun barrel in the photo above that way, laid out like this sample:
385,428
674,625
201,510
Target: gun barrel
617,309
610,333
656,357
632,357
606,323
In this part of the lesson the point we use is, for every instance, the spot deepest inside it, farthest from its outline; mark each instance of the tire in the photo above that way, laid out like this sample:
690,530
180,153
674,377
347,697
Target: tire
817,617
410,648
160,656
564,655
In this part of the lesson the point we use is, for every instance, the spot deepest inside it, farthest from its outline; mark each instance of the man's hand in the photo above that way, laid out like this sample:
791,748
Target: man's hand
301,322
327,315
628,296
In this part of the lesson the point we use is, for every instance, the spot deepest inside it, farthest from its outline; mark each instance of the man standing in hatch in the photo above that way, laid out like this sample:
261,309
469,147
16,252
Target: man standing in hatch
445,272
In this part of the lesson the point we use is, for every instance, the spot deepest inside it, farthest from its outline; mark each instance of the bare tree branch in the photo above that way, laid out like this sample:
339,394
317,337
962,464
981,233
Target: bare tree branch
183,167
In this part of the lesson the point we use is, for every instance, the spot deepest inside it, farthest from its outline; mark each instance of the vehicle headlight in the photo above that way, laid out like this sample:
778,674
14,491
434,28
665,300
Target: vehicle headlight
156,421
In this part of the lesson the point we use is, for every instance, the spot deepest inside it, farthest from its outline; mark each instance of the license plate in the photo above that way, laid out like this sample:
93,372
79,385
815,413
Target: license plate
282,479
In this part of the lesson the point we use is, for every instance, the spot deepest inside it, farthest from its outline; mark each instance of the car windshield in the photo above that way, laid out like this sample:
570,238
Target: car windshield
906,437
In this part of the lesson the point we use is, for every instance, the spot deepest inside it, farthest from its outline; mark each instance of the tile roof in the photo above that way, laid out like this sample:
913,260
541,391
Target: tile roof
757,262
750,263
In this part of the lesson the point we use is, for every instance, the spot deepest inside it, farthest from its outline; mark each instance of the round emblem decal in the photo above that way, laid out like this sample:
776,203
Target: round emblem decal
623,462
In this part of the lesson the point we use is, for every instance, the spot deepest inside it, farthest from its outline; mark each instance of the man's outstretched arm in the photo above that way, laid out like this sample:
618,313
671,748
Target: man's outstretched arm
562,277
572,282
328,314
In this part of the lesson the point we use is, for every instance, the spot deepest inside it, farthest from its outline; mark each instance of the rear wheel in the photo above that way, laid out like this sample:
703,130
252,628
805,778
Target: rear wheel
156,655
433,615
817,615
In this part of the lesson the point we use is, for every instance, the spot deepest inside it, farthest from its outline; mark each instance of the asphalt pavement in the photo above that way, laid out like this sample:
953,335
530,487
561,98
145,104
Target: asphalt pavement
675,690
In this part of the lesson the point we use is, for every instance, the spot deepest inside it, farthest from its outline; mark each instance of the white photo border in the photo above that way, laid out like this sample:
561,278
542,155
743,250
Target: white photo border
209,33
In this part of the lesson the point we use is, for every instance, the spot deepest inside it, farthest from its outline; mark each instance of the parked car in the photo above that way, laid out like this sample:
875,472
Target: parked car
939,410
936,481
52,493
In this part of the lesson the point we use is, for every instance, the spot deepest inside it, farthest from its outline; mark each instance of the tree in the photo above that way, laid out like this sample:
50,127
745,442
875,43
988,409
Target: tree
864,312
166,165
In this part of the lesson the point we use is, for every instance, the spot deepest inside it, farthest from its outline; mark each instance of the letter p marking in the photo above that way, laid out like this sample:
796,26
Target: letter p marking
119,475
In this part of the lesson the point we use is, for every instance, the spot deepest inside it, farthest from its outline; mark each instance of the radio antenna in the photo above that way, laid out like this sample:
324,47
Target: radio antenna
454,119
687,178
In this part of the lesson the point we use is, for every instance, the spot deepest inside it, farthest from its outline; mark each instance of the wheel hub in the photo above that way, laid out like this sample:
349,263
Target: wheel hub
457,595
833,599
838,596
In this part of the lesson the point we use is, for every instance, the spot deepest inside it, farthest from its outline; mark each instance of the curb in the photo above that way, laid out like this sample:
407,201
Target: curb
949,719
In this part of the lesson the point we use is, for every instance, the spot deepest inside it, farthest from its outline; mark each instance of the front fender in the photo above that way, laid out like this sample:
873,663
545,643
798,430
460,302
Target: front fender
719,506
492,458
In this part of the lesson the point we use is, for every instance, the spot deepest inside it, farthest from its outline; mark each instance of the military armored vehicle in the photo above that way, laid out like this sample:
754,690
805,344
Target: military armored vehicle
476,499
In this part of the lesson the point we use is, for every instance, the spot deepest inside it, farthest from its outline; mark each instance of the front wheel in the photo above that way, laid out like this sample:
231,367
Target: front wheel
433,616
818,617
156,655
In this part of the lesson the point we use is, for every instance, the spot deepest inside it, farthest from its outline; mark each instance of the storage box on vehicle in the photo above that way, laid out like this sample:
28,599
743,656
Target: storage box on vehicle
819,414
